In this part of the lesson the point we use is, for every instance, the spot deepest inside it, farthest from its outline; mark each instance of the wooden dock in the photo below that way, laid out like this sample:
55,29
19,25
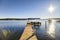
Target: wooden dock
28,31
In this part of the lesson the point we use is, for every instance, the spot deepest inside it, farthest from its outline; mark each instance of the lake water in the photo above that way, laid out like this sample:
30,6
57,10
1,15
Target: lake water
13,29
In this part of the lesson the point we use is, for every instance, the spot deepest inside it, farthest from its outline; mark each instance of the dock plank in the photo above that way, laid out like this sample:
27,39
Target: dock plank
28,31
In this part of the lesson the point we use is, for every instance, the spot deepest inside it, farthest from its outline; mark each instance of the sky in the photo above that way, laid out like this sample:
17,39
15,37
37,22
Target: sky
29,8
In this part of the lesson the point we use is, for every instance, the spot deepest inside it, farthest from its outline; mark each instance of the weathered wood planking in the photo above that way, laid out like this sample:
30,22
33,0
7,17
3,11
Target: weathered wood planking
28,31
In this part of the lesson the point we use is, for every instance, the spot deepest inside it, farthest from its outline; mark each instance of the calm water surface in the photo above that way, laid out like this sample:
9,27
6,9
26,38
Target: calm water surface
12,30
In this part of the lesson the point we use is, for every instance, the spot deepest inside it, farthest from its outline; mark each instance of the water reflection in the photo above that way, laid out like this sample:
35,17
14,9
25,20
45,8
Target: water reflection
8,30
11,29
51,29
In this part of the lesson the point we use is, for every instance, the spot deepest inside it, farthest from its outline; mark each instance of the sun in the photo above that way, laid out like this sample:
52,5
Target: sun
51,9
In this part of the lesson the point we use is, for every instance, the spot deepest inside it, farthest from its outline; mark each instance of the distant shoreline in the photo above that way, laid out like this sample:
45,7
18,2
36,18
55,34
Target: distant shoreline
27,19
19,18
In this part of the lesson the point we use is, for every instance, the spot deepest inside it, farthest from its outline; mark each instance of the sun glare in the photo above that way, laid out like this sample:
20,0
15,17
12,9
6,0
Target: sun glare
51,30
51,9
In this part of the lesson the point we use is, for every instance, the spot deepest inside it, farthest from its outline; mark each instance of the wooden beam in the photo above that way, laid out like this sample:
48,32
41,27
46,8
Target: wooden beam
28,31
